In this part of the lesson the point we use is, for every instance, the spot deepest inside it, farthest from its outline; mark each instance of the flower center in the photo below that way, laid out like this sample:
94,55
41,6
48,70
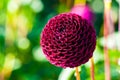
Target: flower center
62,29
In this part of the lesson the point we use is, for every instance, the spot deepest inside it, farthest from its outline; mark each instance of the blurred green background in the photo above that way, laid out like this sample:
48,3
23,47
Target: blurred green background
21,57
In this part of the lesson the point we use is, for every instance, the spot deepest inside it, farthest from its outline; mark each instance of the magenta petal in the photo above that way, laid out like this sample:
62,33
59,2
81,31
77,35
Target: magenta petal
84,11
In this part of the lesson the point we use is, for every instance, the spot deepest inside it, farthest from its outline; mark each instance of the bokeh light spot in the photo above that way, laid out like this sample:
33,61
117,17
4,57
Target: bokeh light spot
12,6
17,64
23,43
25,2
97,6
37,6
38,55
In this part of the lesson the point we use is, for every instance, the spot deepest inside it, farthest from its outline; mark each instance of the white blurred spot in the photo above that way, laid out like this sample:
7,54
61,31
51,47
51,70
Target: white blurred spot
97,56
118,1
12,6
66,74
26,2
37,5
97,6
87,64
119,61
118,71
112,41
107,0
17,64
38,55
23,43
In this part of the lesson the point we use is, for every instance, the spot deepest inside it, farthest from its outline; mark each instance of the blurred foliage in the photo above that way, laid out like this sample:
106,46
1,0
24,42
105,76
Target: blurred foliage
21,22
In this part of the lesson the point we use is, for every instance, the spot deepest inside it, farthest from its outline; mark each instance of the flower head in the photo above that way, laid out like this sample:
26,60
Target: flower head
67,40
83,11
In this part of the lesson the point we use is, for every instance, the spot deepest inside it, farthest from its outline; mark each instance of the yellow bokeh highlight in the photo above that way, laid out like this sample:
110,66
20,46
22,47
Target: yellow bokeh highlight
8,64
107,4
79,2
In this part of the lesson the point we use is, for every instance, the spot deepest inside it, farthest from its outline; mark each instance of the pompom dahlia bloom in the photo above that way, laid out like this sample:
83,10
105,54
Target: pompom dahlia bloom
67,40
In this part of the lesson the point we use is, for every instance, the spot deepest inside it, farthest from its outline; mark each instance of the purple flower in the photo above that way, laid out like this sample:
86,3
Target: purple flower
84,11
67,40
